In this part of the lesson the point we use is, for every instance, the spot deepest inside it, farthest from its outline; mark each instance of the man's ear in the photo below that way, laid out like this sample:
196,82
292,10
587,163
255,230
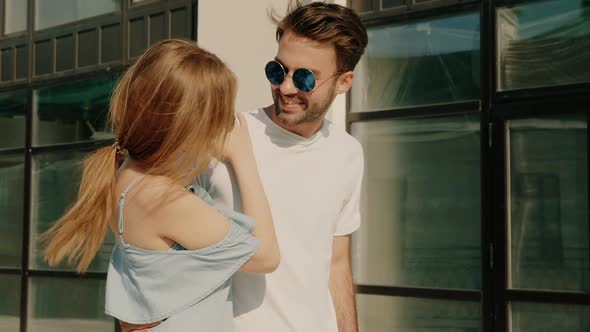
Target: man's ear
344,82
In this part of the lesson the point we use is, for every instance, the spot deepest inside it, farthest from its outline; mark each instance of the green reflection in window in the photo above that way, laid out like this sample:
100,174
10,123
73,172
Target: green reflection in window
56,178
13,112
12,183
526,317
388,313
425,62
549,203
10,304
544,43
67,305
73,112
421,209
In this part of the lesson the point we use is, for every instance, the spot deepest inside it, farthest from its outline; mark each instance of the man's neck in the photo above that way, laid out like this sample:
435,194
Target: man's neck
306,129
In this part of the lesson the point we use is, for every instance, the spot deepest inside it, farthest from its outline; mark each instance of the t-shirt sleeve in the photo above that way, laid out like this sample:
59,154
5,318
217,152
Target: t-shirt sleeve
349,219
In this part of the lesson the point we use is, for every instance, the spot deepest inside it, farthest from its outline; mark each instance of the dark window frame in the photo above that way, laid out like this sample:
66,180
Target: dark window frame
30,83
495,108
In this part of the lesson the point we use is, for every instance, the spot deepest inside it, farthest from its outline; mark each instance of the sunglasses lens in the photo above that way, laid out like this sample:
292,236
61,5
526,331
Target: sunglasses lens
274,72
304,80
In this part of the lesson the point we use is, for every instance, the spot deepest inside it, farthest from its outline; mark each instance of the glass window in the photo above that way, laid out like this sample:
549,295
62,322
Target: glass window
12,183
548,167
425,62
361,5
56,177
421,203
387,313
13,119
67,305
72,112
526,317
10,305
15,16
544,43
49,13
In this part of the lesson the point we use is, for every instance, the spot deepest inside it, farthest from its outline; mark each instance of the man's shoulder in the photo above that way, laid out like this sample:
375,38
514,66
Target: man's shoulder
345,141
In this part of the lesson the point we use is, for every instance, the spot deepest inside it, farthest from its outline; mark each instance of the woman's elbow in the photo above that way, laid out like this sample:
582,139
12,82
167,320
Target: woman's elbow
263,264
273,262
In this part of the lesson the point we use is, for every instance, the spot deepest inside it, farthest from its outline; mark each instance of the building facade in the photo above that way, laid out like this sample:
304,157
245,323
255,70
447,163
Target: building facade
473,116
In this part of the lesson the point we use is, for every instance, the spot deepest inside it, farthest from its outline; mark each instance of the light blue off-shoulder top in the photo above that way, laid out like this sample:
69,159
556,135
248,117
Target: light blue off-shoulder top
189,290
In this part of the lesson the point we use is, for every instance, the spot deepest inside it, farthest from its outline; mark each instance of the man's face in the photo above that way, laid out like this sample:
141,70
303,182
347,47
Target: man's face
292,106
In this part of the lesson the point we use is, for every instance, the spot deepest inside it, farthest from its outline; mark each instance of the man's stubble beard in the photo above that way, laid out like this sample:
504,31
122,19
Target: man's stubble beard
310,113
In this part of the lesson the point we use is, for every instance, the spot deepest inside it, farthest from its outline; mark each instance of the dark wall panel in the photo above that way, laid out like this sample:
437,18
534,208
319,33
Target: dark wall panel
88,48
7,64
64,53
158,29
43,57
137,36
111,43
178,23
22,61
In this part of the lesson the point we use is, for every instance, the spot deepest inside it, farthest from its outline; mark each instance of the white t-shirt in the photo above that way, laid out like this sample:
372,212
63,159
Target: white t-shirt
313,186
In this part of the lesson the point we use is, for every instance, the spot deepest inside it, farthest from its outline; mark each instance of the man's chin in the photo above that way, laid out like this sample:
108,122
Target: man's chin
290,119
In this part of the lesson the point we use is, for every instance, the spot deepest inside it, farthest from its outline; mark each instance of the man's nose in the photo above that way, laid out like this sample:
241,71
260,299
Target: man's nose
287,87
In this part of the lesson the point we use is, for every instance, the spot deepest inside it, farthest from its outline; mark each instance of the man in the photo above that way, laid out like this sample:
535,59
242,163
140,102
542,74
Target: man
312,176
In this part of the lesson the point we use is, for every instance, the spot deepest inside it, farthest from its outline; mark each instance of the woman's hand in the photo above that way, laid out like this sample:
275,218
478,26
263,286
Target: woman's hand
238,143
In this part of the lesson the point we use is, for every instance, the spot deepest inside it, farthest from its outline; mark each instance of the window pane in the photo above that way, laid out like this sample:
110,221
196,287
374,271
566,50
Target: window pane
13,112
361,6
421,206
526,317
426,62
72,112
67,305
12,183
15,16
49,13
403,314
544,44
549,203
56,177
10,305
392,3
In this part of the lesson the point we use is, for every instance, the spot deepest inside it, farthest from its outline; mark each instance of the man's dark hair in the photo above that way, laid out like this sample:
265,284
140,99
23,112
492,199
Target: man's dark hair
326,23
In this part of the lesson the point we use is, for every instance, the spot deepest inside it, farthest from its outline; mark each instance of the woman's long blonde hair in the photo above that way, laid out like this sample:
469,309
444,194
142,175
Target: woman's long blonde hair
170,111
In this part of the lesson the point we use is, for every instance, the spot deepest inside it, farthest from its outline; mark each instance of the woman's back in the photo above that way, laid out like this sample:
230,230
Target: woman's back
187,287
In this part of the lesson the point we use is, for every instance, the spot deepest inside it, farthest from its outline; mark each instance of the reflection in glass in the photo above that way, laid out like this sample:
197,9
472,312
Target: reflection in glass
10,304
549,203
67,305
13,112
72,112
56,177
544,43
49,13
526,317
421,203
426,62
15,16
402,314
12,184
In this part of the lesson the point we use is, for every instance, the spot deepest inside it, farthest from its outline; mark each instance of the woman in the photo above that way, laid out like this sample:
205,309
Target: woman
172,112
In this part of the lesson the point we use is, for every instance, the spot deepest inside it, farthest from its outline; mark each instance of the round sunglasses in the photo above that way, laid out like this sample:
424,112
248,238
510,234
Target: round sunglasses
303,79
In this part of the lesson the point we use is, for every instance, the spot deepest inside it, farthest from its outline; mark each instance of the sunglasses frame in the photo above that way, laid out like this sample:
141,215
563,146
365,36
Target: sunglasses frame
315,80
